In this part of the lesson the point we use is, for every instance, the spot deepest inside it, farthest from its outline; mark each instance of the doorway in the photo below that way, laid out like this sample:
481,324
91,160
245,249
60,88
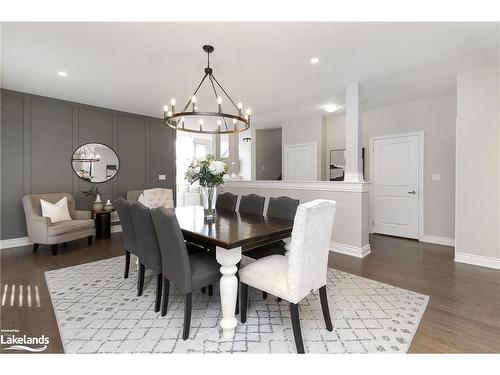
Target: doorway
396,170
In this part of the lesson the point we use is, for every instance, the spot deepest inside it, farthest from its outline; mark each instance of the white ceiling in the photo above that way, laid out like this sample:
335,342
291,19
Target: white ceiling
138,67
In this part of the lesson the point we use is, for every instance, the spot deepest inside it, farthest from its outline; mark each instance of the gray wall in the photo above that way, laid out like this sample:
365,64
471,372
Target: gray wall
267,154
40,134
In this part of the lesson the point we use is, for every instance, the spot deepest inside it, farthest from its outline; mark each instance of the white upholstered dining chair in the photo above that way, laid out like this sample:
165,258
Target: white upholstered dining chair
302,270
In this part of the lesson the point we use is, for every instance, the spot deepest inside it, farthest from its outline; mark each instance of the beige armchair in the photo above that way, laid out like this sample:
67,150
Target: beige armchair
42,231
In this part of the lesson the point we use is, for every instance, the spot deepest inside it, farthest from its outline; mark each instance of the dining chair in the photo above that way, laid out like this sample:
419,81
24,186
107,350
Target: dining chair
148,248
226,201
129,241
187,271
302,271
280,208
252,204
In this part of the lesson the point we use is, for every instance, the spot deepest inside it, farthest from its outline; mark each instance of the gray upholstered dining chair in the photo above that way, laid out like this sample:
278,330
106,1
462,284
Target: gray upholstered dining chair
252,204
302,271
147,248
187,271
129,240
42,231
226,201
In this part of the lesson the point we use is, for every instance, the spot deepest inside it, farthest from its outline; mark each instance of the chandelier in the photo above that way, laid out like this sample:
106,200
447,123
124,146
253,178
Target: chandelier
189,119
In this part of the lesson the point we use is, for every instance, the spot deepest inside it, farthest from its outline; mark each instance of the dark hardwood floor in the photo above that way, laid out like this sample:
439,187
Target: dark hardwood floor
463,315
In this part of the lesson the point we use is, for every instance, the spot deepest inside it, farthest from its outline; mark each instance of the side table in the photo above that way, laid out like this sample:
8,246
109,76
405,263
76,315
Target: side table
102,221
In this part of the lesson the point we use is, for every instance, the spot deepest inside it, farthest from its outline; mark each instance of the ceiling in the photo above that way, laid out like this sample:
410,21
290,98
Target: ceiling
138,67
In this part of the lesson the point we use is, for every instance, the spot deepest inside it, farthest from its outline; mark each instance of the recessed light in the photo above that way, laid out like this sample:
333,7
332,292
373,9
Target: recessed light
314,60
62,74
330,107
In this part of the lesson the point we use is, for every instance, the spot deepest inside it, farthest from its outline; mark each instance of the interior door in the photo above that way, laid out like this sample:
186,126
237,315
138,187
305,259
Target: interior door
300,162
395,186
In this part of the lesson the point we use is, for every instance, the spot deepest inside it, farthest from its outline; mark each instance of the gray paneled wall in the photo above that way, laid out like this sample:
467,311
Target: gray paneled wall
40,134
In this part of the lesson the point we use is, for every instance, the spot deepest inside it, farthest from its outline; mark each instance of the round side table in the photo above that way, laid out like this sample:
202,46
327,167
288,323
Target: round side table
102,224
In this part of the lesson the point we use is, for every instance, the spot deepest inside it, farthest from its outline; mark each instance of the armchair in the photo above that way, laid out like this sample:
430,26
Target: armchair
42,231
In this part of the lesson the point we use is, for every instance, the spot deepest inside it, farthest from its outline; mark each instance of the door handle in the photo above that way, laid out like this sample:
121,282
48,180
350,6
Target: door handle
412,192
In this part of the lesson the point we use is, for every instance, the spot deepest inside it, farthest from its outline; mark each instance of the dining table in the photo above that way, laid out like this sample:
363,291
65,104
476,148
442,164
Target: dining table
231,233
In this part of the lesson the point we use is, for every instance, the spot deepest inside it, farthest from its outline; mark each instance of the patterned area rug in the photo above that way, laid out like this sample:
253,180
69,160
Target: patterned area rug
98,312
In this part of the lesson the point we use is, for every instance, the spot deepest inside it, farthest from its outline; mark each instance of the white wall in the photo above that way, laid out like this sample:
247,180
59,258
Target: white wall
478,168
245,155
436,116
305,130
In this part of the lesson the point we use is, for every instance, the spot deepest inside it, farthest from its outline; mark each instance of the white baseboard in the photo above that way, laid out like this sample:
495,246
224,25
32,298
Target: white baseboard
354,251
477,260
24,241
15,242
446,241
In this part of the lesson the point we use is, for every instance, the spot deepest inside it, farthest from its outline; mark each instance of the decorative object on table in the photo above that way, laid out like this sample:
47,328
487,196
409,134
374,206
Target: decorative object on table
95,162
108,206
98,205
210,173
337,164
189,119
93,193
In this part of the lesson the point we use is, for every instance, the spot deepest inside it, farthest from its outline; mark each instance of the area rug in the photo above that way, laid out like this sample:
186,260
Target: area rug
98,311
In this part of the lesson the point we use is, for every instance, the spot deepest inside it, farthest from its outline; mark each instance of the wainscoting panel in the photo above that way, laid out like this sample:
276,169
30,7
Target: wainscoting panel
51,146
161,146
133,153
39,135
93,126
12,165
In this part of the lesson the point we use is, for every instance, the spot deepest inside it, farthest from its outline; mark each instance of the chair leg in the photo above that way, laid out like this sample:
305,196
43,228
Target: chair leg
127,263
244,302
35,247
237,308
140,279
203,290
54,249
210,290
325,308
166,290
264,295
187,316
297,334
159,280
89,240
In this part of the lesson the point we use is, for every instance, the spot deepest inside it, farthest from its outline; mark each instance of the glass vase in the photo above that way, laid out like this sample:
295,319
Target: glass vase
209,196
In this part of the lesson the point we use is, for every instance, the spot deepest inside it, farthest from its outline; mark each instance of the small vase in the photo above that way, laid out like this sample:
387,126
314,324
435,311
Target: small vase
209,195
98,205
108,206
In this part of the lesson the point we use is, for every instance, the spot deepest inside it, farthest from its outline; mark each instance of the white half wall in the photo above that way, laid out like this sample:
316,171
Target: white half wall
478,168
350,232
435,116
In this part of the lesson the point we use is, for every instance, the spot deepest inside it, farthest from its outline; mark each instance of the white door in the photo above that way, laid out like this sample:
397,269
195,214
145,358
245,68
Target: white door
300,162
395,186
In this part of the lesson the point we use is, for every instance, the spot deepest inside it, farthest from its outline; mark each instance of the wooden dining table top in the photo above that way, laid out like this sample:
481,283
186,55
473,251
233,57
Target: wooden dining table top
231,229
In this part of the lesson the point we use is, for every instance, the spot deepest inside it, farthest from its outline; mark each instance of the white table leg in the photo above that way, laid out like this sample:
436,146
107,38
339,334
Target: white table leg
228,259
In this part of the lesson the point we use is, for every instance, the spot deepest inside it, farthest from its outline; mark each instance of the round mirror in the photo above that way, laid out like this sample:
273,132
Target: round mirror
95,162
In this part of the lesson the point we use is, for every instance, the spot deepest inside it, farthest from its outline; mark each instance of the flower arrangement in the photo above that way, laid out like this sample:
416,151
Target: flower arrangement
209,172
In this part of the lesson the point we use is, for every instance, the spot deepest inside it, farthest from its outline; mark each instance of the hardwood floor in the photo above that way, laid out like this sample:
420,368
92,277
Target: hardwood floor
463,314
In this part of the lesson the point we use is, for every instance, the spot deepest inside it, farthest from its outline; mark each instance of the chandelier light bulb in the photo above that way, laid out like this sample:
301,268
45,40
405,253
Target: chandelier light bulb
193,99
219,122
169,113
165,108
240,105
182,119
234,121
219,100
201,121
249,111
172,102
